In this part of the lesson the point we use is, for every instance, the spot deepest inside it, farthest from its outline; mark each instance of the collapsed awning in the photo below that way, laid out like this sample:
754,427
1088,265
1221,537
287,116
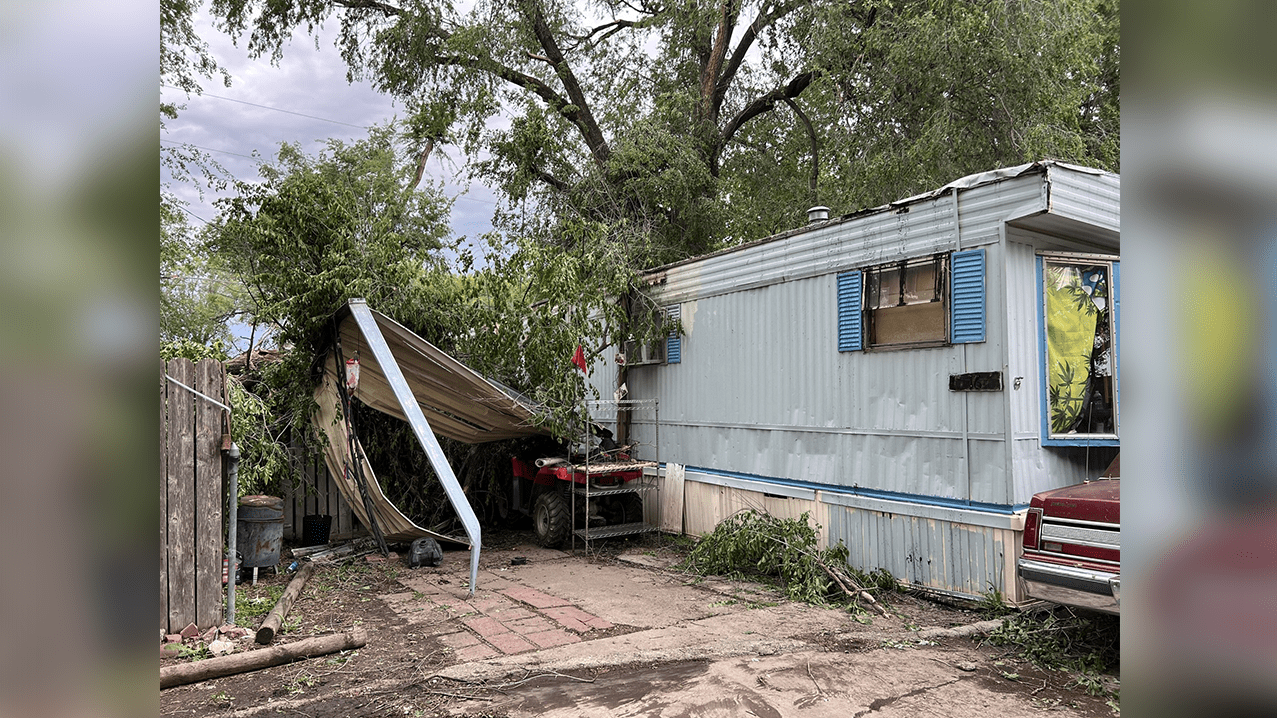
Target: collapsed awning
405,376
459,403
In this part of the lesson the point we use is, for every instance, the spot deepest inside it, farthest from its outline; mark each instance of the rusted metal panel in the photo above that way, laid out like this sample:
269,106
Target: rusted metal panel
947,556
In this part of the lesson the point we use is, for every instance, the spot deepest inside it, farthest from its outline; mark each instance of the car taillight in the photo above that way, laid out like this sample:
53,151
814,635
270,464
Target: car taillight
1032,525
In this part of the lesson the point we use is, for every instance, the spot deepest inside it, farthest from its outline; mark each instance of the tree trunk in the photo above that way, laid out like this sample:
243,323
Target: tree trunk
275,618
197,671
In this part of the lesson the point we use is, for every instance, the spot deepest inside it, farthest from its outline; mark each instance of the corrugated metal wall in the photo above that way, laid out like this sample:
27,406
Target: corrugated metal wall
947,556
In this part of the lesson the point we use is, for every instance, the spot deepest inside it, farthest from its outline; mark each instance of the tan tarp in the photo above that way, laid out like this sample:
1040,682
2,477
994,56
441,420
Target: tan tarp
458,403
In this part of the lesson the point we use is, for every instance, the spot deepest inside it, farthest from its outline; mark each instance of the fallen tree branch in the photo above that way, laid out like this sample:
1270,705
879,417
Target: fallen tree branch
275,618
969,629
859,591
208,668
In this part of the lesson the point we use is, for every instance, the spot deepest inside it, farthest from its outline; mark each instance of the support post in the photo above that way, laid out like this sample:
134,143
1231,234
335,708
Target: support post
232,518
421,428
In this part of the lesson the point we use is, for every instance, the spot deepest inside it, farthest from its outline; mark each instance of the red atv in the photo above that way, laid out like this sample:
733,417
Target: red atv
549,488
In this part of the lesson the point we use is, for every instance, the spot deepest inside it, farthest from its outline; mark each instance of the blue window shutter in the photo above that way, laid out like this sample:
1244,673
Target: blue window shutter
967,298
674,343
851,334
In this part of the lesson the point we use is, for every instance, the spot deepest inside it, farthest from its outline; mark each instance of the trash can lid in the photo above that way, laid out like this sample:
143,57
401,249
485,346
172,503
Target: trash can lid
260,501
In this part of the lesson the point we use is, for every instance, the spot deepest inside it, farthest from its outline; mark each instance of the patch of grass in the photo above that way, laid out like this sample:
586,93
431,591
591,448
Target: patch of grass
1087,645
252,603
188,653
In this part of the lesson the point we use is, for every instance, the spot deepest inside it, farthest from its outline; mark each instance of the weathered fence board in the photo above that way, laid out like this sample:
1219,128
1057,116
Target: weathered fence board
181,496
316,495
210,380
191,495
163,498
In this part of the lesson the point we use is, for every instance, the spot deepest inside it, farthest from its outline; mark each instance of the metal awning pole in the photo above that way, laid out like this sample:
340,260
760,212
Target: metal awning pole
417,420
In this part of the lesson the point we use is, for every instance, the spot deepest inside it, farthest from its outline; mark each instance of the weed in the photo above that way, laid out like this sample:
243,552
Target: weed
221,697
187,653
300,683
252,603
418,595
728,602
1083,644
992,604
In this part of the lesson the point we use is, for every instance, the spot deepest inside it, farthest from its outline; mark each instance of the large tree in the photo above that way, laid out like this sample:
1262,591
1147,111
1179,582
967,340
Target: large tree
669,121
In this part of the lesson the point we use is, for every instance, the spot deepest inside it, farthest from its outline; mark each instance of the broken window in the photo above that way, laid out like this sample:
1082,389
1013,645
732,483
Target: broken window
906,302
1080,364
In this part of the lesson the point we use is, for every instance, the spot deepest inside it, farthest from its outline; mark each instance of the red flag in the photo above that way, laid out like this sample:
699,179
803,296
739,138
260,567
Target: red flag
579,357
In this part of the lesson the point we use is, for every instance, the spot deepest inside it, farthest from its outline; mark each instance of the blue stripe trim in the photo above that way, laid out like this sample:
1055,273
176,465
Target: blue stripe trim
867,493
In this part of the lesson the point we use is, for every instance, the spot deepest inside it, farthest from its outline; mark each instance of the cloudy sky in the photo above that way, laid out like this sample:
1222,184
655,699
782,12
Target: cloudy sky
305,99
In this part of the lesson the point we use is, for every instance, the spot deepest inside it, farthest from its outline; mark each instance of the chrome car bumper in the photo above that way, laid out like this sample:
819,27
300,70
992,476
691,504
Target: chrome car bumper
1072,586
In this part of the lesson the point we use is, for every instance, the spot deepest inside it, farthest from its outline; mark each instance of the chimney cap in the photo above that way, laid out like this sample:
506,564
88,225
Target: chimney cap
819,213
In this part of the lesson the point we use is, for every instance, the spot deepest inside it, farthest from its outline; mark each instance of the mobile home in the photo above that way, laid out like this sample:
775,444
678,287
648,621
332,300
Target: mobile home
909,375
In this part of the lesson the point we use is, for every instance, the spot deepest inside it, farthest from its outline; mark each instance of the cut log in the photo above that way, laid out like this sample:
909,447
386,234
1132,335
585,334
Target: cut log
208,668
970,629
275,618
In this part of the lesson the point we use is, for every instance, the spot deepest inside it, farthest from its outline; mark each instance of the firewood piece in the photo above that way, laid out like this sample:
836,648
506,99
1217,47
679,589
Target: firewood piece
197,671
275,618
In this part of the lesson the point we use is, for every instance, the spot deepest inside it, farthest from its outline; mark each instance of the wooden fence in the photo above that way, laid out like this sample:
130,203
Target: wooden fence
317,495
191,494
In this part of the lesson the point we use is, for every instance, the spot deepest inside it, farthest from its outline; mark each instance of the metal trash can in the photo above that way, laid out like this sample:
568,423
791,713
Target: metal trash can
315,529
260,528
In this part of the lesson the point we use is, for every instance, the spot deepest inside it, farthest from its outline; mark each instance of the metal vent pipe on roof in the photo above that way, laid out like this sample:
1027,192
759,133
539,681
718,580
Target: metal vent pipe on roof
817,214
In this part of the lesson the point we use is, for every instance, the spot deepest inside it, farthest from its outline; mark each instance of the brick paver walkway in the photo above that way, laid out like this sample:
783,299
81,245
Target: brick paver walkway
506,619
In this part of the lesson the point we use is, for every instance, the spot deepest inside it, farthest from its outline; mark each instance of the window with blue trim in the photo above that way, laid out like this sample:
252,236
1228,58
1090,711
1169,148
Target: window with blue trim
1077,302
917,302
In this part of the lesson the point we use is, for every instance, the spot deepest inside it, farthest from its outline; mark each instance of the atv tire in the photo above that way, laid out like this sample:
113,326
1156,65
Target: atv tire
551,519
626,509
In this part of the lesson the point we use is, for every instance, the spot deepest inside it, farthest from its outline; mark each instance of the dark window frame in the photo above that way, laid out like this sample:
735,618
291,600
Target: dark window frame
941,262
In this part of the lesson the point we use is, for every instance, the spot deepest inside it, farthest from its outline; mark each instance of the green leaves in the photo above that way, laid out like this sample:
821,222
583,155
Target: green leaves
754,543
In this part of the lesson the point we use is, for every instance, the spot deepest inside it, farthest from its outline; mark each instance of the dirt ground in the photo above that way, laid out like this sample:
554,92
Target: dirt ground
615,632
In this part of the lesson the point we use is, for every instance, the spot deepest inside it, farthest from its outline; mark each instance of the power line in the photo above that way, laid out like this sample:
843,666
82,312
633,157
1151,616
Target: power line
208,149
196,216
276,109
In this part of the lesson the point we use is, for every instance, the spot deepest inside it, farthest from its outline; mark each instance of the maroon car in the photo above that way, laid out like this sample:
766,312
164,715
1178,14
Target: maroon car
1073,544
